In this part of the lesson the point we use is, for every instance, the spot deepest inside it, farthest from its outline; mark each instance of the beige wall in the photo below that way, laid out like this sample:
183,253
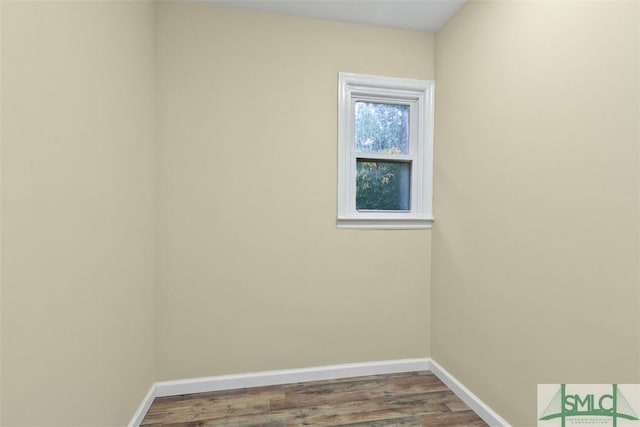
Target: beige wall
253,273
535,244
1,133
77,211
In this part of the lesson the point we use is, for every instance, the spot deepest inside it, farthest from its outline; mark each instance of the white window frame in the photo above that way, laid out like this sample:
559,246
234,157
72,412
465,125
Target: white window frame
418,95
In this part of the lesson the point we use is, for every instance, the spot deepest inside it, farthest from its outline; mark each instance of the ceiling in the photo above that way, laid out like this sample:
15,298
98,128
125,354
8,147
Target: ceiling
418,15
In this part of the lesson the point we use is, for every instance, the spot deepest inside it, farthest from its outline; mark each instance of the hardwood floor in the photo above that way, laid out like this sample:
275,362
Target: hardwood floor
407,399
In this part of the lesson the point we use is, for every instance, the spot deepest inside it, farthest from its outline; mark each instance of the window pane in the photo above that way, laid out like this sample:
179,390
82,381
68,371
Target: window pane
382,128
383,185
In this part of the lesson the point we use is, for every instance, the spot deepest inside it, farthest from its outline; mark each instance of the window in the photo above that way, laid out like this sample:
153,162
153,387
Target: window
385,152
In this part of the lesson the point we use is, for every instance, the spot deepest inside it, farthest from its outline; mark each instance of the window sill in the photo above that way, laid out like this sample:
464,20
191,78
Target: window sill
385,224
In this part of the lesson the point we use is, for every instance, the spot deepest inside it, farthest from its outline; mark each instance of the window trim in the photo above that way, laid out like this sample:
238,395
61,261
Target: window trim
419,95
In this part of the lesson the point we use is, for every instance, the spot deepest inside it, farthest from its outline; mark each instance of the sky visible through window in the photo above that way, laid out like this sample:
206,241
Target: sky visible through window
382,128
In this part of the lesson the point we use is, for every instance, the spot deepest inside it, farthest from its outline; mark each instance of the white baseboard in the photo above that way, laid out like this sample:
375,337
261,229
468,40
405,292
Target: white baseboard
288,376
318,373
138,416
479,407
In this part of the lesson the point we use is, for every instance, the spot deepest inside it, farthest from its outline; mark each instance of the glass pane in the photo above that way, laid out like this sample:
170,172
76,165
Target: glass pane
382,128
383,185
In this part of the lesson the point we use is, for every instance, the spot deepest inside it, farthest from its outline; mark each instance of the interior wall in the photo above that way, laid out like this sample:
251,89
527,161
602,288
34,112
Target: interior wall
1,133
253,273
535,243
77,211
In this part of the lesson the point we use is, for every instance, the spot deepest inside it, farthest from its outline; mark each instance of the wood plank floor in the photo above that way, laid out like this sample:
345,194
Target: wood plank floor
407,399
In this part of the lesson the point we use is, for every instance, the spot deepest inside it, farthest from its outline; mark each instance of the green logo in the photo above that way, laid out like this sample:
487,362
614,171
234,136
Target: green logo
564,405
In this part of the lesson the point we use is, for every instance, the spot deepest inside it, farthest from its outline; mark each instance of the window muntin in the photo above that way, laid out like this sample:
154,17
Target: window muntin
385,150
